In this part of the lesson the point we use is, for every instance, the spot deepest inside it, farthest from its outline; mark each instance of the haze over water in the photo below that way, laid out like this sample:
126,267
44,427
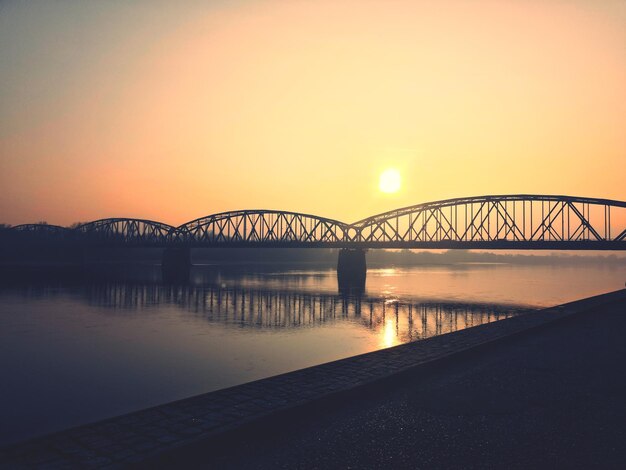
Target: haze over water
79,351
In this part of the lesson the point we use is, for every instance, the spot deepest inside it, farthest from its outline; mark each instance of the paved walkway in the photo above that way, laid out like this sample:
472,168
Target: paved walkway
188,425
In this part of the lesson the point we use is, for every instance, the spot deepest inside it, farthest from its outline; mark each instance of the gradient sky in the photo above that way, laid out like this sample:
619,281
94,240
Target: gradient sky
174,110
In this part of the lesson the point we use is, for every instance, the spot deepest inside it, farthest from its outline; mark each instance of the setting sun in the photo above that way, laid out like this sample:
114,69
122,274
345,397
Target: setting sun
389,181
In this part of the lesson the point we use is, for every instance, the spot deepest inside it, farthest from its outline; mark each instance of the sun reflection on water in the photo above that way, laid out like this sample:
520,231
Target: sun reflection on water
389,334
383,272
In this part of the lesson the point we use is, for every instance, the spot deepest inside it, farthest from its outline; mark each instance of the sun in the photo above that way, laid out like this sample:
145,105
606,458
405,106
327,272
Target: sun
389,181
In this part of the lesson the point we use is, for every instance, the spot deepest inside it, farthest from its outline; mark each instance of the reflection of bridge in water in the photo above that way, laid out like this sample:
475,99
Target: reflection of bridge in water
402,319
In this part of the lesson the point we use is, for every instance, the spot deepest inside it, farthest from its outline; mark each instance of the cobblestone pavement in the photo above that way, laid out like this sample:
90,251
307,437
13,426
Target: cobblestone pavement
134,437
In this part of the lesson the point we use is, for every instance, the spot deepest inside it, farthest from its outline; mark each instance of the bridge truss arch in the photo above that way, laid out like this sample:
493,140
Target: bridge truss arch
264,228
125,231
40,232
520,221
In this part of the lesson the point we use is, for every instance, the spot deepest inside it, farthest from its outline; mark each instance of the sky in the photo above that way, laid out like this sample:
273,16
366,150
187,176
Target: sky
174,110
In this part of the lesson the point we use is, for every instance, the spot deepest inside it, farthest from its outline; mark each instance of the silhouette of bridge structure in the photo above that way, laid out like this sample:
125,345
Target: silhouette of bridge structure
486,222
513,222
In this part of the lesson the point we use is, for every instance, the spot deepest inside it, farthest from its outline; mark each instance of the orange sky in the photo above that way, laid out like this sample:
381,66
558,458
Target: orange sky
171,112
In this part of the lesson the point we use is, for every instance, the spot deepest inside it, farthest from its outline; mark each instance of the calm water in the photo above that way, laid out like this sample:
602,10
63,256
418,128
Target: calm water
75,352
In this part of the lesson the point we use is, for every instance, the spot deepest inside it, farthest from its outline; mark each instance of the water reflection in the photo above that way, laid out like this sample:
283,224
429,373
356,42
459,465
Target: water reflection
394,320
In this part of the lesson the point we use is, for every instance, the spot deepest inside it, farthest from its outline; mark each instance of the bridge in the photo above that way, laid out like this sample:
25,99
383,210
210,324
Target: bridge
493,222
512,222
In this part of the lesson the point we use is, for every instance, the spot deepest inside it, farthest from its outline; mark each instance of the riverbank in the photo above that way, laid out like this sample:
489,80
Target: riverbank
550,397
187,428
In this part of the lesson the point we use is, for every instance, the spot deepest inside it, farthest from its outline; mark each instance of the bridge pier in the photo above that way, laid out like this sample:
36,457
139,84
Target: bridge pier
351,270
176,264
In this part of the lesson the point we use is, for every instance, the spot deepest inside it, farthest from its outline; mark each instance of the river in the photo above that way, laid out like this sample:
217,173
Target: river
74,351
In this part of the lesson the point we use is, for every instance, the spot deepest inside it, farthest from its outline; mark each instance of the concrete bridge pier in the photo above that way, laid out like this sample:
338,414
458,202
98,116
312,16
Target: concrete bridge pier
351,270
176,264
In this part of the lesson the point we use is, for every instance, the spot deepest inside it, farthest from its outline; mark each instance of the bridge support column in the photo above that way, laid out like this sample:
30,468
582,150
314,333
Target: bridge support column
176,264
351,270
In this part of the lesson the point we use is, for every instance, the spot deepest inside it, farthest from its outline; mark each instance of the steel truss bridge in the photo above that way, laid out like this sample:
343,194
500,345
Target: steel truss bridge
518,221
